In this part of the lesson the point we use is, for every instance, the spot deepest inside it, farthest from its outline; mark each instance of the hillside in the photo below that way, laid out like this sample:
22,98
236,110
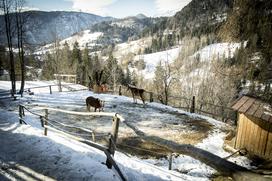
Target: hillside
122,30
197,18
251,21
43,27
200,17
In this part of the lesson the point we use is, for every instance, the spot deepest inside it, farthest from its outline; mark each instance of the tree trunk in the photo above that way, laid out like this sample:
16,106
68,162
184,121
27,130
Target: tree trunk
6,10
225,167
19,27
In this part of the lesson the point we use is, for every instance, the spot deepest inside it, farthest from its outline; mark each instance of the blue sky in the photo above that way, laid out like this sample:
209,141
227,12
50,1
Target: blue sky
114,8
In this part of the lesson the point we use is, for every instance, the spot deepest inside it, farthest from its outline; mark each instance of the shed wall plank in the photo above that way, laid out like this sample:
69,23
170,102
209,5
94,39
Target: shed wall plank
263,140
244,133
268,151
239,130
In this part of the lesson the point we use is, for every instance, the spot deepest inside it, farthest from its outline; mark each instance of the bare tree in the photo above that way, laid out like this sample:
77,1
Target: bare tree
164,77
6,8
56,56
20,22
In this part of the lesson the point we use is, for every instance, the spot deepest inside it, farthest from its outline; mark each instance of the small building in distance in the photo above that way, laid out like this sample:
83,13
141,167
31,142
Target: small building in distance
254,130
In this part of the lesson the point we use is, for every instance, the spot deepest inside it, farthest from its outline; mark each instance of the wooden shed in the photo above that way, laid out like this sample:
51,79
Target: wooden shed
254,130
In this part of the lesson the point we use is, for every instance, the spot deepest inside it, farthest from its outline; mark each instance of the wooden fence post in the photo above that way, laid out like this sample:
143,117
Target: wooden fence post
50,89
151,97
120,90
93,136
45,121
192,110
20,114
113,139
170,161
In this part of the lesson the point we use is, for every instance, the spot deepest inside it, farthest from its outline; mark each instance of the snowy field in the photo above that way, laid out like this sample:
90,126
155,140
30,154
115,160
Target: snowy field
54,155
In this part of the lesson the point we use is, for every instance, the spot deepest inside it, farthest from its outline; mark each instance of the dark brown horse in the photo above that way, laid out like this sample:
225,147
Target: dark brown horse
136,92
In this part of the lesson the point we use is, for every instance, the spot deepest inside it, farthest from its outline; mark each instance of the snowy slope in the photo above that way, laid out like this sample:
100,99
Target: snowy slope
217,50
123,49
84,38
153,59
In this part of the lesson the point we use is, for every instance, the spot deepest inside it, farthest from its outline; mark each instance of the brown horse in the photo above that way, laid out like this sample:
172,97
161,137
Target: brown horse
136,92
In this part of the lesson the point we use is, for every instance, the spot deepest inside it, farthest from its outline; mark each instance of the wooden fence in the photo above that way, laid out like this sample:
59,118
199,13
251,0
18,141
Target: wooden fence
59,127
192,105
50,90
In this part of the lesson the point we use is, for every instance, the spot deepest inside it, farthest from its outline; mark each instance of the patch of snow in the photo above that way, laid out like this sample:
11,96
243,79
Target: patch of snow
153,59
216,50
84,38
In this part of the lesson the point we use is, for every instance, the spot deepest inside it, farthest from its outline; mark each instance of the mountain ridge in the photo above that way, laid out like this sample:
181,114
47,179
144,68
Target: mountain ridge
44,26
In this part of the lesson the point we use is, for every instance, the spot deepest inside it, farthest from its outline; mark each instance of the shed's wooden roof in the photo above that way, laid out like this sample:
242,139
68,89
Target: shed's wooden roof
254,107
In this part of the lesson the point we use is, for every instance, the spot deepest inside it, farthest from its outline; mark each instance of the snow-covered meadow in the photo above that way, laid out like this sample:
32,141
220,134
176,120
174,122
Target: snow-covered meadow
53,155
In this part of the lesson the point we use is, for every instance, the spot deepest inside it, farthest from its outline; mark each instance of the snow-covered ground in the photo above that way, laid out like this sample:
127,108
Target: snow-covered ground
84,38
152,60
123,49
23,147
216,50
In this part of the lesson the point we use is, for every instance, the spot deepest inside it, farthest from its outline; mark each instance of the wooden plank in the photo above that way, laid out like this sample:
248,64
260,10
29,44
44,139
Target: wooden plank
246,105
268,149
270,143
242,144
260,111
258,139
254,138
109,114
263,139
251,137
240,103
251,111
266,116
246,133
239,131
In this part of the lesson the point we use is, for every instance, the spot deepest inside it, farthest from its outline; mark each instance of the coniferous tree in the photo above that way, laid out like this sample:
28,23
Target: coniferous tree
77,62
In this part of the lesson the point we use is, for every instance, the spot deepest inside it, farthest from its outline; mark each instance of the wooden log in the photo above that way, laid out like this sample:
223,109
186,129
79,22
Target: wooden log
192,110
45,122
93,136
50,89
225,167
112,162
113,139
20,114
151,97
120,90
170,161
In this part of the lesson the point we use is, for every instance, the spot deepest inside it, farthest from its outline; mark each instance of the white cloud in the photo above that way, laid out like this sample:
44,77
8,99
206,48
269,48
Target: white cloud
98,7
170,7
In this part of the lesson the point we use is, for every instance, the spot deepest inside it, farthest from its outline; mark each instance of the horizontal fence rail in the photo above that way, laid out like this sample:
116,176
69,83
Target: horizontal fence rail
191,104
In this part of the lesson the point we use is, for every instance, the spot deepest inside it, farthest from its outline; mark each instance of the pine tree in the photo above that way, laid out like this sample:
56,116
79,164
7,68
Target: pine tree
77,62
